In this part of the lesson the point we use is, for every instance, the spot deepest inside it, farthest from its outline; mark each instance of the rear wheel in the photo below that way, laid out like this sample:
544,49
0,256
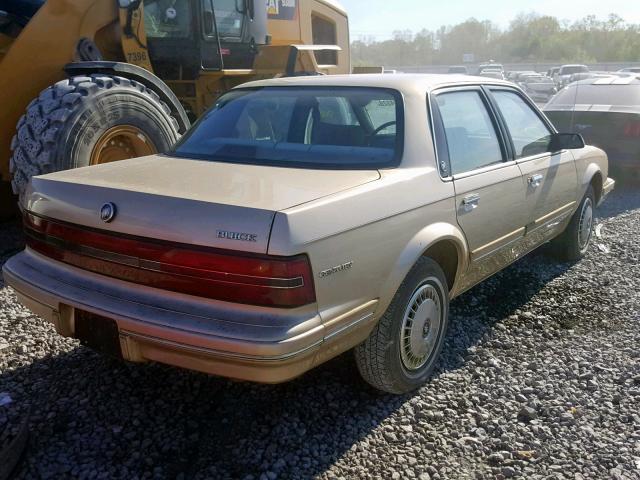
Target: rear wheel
87,121
402,350
573,243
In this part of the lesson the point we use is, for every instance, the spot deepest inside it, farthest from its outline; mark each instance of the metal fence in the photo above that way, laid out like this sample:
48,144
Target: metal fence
537,67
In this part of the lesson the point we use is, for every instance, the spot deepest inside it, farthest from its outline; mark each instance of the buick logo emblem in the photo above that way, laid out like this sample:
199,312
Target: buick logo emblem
107,212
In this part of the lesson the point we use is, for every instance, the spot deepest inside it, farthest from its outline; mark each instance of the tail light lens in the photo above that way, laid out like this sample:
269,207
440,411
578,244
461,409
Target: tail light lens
284,282
632,129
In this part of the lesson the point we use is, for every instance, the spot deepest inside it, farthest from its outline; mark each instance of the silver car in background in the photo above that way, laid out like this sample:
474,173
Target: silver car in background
566,71
539,87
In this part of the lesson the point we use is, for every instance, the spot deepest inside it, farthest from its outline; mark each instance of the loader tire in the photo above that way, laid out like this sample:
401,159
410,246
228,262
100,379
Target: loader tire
68,124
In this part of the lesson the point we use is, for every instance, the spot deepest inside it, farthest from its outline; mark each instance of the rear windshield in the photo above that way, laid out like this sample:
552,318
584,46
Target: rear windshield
620,95
337,127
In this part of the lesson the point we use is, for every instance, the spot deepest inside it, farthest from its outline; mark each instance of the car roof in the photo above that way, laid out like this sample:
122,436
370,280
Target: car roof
403,82
613,80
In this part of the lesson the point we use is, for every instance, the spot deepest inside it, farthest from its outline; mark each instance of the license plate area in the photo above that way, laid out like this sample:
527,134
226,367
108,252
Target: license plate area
98,333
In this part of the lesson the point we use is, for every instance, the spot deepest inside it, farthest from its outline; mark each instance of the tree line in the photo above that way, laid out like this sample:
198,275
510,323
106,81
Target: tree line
529,38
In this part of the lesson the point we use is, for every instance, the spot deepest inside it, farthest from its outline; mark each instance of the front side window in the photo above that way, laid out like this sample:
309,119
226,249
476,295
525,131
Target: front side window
167,19
528,132
470,134
301,126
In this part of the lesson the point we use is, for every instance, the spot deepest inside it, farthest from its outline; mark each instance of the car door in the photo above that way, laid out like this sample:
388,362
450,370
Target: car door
489,189
550,177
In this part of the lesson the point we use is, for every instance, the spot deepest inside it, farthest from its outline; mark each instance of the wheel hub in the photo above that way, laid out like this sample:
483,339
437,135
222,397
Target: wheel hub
586,224
420,327
121,142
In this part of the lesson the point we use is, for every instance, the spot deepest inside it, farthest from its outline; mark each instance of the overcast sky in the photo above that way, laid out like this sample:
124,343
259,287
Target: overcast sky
378,18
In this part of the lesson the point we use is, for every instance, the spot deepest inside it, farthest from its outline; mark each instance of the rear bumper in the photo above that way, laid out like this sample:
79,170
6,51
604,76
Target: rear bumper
607,188
236,341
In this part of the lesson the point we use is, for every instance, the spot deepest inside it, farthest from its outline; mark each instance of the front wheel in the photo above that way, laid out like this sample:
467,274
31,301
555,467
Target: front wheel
573,243
401,352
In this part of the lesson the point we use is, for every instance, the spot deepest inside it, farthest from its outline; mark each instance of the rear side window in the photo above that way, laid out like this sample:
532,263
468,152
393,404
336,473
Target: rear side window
339,127
528,132
470,134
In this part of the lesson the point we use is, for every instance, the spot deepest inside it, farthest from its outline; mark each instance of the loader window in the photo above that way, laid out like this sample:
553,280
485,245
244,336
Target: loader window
229,20
167,18
324,33
315,127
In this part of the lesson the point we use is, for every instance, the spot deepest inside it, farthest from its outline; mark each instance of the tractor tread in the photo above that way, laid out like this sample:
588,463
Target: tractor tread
34,146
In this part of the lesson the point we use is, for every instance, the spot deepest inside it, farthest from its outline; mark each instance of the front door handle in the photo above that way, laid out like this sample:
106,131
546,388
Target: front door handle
535,180
470,202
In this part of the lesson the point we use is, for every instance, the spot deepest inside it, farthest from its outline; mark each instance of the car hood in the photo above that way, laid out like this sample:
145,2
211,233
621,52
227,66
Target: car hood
186,201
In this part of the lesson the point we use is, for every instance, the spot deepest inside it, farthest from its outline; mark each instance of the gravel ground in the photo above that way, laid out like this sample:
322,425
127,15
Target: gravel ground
540,379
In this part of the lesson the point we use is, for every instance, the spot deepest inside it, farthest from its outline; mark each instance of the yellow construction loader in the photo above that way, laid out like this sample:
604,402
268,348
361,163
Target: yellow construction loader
85,82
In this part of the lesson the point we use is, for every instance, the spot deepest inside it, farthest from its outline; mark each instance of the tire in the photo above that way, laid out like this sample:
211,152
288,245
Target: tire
63,125
380,358
572,244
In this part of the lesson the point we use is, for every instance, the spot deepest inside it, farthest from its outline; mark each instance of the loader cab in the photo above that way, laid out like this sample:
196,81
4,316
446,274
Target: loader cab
186,37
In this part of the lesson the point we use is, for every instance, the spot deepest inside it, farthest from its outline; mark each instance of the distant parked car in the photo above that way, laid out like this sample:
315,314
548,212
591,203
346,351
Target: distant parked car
491,73
490,66
518,77
459,69
553,72
565,72
606,112
576,77
539,87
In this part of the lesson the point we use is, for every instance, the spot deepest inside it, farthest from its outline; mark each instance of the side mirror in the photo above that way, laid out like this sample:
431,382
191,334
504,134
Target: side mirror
565,141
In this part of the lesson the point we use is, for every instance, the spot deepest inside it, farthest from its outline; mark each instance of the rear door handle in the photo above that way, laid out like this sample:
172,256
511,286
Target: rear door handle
535,180
470,202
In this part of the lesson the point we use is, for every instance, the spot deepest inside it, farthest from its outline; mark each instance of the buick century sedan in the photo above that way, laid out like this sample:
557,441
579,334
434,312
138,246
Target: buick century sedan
304,217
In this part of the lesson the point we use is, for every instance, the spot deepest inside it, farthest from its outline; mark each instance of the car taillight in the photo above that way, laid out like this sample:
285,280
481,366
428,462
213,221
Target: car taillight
264,280
632,129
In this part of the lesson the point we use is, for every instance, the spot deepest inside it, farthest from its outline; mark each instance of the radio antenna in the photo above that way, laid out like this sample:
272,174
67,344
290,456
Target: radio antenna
573,110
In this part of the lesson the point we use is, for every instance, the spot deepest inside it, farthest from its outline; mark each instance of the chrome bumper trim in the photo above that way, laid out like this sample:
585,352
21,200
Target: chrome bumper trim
216,353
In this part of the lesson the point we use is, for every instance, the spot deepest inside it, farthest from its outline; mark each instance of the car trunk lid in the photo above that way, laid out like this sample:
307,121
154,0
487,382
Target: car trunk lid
213,204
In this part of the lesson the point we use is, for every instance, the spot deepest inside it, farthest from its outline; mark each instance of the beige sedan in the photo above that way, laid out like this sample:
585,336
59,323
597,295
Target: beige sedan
304,217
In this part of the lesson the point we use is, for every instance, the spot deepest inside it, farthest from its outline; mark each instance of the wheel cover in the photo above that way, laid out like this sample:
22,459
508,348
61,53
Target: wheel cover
585,224
121,142
421,327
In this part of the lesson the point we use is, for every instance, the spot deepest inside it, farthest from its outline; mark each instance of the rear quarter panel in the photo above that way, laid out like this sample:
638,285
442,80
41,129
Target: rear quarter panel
590,161
379,230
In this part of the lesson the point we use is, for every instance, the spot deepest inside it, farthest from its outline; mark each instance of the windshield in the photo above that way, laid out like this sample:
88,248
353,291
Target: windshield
167,18
573,69
339,127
